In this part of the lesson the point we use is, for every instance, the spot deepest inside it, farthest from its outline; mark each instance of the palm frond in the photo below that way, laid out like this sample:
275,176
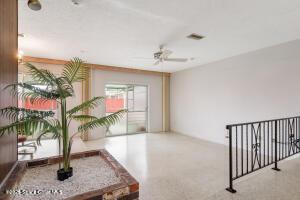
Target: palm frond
15,113
33,98
64,87
104,121
54,128
41,134
41,76
30,124
90,104
10,113
10,128
60,85
26,129
75,70
83,118
31,91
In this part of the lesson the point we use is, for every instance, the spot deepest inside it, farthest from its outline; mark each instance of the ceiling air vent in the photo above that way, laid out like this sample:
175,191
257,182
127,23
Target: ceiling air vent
76,2
195,36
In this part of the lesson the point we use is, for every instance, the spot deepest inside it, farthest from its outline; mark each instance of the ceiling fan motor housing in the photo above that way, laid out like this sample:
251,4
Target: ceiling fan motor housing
157,55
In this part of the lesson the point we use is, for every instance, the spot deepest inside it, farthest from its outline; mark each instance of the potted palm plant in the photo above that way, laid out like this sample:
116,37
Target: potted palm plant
59,89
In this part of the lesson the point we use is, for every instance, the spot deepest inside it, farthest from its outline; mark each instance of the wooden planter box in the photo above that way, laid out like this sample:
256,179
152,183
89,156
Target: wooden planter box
128,189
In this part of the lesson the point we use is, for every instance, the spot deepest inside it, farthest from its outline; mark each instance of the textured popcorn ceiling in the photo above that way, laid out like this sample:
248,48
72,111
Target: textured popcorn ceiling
114,32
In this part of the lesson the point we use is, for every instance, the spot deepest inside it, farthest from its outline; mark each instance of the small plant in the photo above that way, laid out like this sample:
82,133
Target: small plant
43,122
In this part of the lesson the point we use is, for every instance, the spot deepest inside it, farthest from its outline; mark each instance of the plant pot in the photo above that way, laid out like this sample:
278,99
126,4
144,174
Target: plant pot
70,172
63,175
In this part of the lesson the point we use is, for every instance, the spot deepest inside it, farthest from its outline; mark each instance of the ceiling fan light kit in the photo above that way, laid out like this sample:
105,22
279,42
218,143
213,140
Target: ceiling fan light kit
34,5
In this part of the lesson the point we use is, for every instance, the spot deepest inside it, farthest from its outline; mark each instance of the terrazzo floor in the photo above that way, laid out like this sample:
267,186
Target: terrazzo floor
176,167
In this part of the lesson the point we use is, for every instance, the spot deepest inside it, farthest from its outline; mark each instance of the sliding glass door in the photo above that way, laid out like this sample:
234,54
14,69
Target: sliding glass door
134,98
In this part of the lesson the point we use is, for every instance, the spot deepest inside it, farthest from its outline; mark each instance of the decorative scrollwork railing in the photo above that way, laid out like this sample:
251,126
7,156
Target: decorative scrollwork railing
255,145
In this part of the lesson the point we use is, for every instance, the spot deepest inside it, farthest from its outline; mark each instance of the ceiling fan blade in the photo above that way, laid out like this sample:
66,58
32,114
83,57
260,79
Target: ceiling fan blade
166,53
157,62
142,58
176,59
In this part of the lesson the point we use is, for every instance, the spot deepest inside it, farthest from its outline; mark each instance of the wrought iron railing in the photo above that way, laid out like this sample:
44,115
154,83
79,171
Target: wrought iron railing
255,145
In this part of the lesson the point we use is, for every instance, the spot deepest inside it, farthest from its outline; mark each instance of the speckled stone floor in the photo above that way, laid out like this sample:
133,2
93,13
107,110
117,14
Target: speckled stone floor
177,167
267,184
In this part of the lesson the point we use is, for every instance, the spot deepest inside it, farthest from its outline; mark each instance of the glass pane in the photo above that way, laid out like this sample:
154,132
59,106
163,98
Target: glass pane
130,97
130,93
115,101
140,98
130,105
117,129
137,122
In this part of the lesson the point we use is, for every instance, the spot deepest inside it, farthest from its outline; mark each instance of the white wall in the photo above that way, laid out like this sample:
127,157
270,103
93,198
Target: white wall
154,83
259,85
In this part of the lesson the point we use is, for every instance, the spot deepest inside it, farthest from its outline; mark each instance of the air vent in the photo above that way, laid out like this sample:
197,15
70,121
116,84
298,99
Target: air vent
195,36
76,2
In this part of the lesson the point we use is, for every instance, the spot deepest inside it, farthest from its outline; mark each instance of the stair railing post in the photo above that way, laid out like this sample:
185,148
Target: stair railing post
276,146
230,188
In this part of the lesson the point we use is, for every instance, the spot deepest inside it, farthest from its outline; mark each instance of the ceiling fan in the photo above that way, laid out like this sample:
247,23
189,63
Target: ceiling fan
163,55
